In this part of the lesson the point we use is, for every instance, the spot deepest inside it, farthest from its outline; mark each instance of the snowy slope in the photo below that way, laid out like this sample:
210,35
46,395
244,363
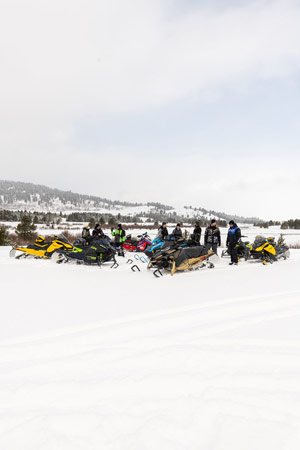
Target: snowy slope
38,198
110,359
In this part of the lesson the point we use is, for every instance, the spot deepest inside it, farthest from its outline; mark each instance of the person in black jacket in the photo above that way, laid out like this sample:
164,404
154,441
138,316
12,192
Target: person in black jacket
212,237
163,231
196,236
233,237
177,233
97,231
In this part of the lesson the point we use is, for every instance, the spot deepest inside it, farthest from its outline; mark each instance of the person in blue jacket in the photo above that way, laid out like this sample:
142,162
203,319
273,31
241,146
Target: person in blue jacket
233,237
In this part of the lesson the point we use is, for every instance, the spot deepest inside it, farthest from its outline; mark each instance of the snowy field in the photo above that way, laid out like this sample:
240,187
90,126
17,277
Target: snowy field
114,360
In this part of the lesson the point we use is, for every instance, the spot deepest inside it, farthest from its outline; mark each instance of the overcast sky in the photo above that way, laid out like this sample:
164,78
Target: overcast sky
186,102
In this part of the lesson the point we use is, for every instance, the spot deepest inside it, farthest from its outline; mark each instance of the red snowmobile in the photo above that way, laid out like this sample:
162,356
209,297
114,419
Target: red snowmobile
137,244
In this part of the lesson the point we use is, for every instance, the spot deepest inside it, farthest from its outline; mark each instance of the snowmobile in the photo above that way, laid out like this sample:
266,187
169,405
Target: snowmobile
180,259
243,250
156,245
159,244
43,247
137,244
96,251
170,240
172,243
267,250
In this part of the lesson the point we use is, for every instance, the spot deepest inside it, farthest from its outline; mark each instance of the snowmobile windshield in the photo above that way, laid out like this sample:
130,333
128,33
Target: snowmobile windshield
260,240
62,238
104,242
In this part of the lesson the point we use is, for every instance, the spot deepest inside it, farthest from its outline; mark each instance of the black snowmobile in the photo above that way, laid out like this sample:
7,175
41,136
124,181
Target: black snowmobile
180,259
267,250
97,251
243,250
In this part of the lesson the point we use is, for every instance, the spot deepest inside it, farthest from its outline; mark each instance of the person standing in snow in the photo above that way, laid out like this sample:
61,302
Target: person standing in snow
196,236
233,237
163,231
212,236
177,232
120,236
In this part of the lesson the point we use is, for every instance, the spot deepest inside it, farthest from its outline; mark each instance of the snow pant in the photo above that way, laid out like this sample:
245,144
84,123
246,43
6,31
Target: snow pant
212,246
232,249
119,247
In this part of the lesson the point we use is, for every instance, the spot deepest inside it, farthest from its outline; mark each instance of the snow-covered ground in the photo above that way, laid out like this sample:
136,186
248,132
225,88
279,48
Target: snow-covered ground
110,359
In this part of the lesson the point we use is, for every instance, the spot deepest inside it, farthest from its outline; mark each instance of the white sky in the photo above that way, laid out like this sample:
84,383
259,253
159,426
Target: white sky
171,101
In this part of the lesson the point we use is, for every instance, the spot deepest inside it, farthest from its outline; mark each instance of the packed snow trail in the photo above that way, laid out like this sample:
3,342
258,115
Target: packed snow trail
110,359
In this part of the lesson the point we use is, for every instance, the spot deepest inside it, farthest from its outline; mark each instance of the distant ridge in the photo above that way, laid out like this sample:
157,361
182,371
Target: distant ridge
12,192
17,195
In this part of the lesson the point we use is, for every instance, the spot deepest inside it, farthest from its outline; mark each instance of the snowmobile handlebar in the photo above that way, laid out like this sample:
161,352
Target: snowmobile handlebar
144,235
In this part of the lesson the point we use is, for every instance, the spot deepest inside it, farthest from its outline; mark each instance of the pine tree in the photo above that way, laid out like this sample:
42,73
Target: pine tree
92,223
4,236
26,229
112,221
281,240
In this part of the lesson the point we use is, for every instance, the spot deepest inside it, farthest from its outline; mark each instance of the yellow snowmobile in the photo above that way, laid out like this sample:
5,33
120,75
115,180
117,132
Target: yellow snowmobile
43,247
267,250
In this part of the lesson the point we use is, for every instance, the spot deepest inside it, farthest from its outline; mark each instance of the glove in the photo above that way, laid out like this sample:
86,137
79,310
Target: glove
111,229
